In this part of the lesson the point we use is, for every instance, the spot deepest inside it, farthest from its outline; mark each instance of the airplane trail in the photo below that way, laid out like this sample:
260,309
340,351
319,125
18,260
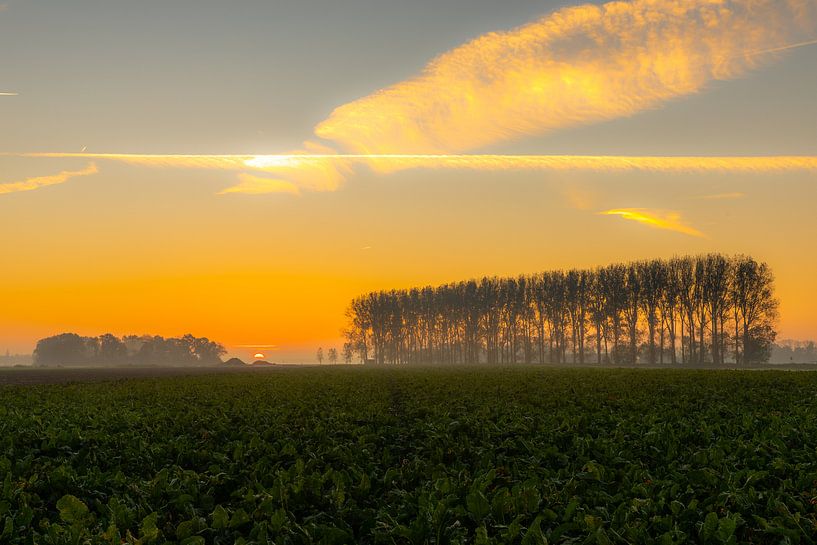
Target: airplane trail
578,65
296,172
454,161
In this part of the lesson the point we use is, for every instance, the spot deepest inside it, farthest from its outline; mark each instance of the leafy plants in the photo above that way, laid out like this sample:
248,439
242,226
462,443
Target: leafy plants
518,455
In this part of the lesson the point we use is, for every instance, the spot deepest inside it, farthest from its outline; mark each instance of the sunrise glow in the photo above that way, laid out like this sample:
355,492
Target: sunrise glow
530,138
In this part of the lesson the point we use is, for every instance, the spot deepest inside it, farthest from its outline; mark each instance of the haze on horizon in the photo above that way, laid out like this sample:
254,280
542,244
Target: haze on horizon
249,169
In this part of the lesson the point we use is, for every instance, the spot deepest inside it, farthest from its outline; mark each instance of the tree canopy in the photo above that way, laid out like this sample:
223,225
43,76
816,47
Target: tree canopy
695,309
107,349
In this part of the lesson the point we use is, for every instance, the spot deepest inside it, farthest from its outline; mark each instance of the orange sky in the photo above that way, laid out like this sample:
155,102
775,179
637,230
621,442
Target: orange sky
590,134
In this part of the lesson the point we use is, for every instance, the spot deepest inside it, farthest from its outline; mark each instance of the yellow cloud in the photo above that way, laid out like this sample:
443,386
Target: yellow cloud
658,219
9,94
292,173
578,65
254,185
31,184
575,66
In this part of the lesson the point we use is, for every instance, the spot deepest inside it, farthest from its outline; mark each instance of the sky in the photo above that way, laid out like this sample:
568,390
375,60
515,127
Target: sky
242,170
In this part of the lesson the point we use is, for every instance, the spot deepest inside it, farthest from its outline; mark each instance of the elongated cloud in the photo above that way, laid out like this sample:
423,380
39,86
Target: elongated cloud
578,65
599,163
658,219
293,173
9,94
31,184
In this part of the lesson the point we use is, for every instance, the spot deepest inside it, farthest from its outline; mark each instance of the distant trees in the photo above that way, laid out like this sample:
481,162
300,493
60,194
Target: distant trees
789,351
319,355
72,349
348,353
332,356
694,310
66,348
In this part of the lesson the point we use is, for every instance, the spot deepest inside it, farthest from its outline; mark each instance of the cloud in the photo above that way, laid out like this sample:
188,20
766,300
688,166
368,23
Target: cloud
722,196
579,65
31,184
254,185
294,173
576,66
320,164
9,94
658,219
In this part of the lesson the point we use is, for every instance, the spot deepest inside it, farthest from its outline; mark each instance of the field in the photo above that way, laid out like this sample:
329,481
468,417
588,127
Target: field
352,455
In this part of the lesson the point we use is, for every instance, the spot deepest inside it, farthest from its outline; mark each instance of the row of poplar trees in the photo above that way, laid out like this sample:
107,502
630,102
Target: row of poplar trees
709,309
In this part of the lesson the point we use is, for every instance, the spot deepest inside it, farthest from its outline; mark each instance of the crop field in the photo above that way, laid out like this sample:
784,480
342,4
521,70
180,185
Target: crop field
474,455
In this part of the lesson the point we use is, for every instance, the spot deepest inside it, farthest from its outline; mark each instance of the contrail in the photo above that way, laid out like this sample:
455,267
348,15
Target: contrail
578,65
784,48
9,94
274,163
293,173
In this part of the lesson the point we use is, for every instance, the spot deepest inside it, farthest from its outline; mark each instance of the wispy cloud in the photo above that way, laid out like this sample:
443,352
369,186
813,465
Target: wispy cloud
293,173
722,196
578,65
317,163
31,184
9,94
668,220
250,184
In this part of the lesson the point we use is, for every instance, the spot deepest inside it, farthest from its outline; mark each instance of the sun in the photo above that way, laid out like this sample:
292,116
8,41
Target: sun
259,356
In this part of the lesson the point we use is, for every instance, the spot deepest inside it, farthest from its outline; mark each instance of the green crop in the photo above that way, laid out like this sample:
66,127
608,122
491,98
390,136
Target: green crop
476,455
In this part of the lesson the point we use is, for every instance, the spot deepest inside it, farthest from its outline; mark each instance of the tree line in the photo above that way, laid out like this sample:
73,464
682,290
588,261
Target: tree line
73,349
692,310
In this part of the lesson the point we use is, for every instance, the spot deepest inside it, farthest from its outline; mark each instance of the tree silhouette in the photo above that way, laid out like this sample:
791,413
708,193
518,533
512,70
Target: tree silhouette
657,311
107,349
348,352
